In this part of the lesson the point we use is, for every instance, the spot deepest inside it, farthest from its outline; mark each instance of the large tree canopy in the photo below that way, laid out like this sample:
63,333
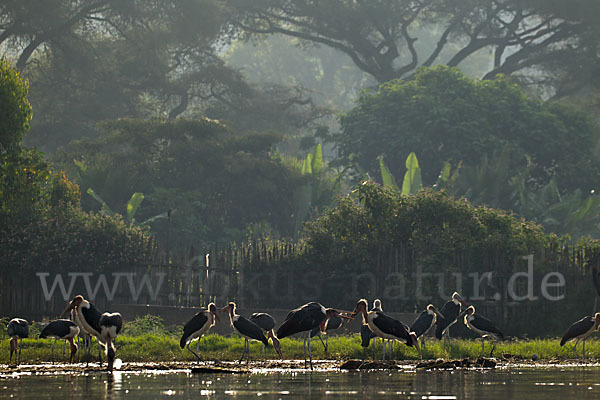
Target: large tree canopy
385,38
442,115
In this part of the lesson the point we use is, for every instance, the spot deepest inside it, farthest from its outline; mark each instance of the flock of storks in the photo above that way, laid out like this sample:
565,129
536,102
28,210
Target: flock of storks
311,319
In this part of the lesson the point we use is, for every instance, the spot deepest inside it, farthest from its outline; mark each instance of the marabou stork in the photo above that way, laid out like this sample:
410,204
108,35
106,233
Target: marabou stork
110,327
378,307
198,326
483,327
248,329
267,324
331,324
304,319
62,329
16,329
85,337
89,316
386,327
450,312
424,322
580,330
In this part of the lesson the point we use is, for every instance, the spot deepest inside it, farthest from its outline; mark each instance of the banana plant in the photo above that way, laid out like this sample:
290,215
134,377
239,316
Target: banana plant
132,207
412,182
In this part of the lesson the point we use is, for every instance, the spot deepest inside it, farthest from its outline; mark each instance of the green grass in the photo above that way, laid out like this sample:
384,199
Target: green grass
148,347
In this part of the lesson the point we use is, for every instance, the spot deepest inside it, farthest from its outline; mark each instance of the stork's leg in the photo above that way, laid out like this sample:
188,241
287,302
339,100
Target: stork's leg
244,351
19,347
305,337
192,351
263,350
575,348
53,350
327,345
64,348
423,342
383,344
493,348
391,346
12,349
323,343
309,352
198,346
482,346
99,353
583,351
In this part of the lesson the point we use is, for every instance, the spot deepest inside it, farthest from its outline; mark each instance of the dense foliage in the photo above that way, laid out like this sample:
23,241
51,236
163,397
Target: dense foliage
435,226
444,116
42,225
15,110
217,184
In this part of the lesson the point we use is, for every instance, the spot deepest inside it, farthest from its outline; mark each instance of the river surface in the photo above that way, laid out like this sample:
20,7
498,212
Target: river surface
543,383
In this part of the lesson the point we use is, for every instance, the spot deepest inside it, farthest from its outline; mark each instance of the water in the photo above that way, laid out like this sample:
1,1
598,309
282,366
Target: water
525,383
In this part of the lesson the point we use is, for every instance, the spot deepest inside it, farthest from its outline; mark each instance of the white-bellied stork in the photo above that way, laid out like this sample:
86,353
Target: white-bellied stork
304,319
450,312
16,329
580,330
89,316
483,327
386,327
198,326
424,322
248,329
267,324
62,329
331,324
110,327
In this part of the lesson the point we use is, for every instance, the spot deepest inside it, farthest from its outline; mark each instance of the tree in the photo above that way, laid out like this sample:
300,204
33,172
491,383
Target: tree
443,116
383,37
218,184
15,110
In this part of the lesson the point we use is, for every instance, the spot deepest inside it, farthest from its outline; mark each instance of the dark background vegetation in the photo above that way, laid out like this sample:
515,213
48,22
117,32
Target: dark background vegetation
131,128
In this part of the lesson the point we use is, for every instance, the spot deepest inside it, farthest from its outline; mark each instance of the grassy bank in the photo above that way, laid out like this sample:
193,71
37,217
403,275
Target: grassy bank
146,339
160,347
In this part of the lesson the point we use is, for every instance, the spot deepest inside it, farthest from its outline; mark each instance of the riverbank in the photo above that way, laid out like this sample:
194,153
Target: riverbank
165,348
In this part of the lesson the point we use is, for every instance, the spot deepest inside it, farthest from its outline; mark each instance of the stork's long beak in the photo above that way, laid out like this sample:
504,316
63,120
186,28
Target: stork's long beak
416,344
225,309
69,308
343,316
439,314
217,317
276,344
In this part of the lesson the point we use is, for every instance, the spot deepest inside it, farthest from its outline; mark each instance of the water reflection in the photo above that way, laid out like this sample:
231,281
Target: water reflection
540,383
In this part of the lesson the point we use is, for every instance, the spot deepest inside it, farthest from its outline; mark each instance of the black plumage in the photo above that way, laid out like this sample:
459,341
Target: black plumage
59,329
366,334
62,329
92,317
200,323
193,325
264,320
425,321
248,329
483,327
580,330
17,329
450,312
385,326
302,319
111,320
